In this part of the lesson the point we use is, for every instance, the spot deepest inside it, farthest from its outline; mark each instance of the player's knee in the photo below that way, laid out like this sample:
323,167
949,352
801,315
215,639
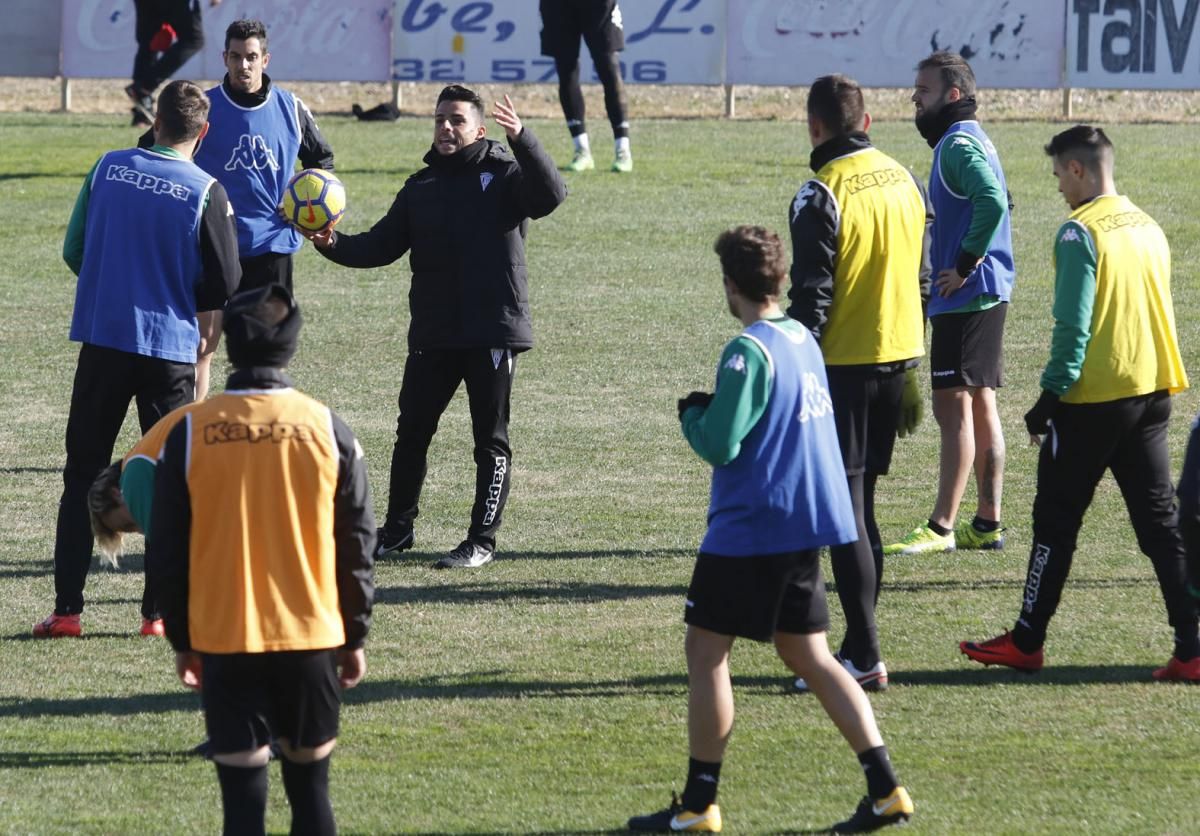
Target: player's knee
244,759
306,754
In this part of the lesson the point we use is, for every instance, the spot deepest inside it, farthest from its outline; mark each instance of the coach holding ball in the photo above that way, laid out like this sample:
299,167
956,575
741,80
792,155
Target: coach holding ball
464,219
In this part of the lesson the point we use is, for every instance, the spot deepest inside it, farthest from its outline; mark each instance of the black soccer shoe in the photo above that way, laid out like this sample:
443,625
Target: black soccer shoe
896,808
392,541
675,819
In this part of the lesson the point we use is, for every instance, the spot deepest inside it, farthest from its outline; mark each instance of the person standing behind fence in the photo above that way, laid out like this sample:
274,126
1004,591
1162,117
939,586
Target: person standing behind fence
153,242
168,33
972,260
599,24
1105,403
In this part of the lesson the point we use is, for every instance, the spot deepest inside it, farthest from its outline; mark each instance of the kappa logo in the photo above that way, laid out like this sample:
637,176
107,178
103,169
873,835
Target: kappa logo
617,21
736,363
806,193
492,503
814,399
147,182
251,152
485,179
1037,566
228,431
961,140
1070,234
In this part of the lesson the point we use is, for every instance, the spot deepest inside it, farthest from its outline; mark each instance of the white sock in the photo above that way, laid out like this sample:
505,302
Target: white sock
622,145
581,143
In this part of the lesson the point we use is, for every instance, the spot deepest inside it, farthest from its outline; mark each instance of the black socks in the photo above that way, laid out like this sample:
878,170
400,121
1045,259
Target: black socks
307,786
701,788
877,766
243,798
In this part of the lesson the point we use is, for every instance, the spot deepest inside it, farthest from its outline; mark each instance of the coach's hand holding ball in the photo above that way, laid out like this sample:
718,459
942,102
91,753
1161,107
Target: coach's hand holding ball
912,406
700,399
1037,420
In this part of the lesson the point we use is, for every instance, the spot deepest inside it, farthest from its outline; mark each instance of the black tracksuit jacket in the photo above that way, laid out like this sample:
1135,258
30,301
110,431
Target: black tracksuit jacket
463,219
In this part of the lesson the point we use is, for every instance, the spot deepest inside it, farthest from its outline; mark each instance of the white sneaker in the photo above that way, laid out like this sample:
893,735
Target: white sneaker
468,555
874,678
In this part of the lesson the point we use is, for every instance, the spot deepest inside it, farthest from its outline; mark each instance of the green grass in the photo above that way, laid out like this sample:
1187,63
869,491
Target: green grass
546,693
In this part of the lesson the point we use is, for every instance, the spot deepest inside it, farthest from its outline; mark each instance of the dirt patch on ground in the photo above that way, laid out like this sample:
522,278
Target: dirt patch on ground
649,102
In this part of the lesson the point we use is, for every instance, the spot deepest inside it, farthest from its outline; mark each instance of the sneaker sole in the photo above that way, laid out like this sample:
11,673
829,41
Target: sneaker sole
402,547
872,684
998,663
996,546
914,550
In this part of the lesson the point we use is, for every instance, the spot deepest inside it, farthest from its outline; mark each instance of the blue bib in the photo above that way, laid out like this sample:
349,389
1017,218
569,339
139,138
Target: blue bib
252,151
786,490
141,256
996,273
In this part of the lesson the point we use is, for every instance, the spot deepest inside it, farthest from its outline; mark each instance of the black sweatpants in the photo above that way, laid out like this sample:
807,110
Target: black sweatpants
149,68
1129,437
106,380
866,408
431,377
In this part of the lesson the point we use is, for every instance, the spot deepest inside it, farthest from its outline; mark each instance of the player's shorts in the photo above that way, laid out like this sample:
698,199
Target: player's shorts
251,699
755,597
967,349
564,22
866,409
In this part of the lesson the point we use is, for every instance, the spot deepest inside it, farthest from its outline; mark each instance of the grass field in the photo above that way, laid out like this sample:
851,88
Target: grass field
546,692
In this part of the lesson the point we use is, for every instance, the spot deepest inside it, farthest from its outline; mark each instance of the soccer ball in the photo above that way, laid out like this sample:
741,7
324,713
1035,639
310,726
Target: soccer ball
314,199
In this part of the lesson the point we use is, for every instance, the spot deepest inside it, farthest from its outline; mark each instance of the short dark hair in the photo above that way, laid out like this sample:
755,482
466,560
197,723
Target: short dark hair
754,259
1088,145
954,69
244,30
458,93
182,111
837,101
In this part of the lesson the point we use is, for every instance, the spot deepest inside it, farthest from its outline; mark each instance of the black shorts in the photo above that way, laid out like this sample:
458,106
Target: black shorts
755,597
266,268
967,349
866,409
251,699
564,22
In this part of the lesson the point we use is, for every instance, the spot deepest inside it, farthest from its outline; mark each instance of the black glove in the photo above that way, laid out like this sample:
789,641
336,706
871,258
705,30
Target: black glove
1037,420
693,399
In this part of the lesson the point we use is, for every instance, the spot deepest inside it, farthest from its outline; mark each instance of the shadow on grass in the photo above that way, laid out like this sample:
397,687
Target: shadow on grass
504,555
42,760
99,706
17,471
977,676
482,593
1007,583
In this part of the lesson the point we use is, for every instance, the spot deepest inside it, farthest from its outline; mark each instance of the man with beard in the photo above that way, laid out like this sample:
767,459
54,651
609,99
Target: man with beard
972,262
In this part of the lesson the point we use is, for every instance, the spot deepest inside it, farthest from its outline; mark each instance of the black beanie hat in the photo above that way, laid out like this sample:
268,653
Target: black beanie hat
252,342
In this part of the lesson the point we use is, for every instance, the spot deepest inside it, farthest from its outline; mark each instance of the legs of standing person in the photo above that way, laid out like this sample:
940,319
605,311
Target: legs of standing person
162,387
953,411
429,381
1189,507
184,17
710,695
264,269
1072,460
104,385
604,39
560,41
489,378
1141,465
989,453
854,573
149,16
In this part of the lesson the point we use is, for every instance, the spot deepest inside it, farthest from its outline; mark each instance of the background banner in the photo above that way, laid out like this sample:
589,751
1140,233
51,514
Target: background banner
1146,44
30,37
666,42
1010,43
309,40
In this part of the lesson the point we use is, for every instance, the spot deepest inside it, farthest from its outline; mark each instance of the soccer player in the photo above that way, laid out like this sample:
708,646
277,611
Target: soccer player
258,132
464,218
972,260
778,495
121,499
260,552
153,243
860,278
168,33
1105,402
598,23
